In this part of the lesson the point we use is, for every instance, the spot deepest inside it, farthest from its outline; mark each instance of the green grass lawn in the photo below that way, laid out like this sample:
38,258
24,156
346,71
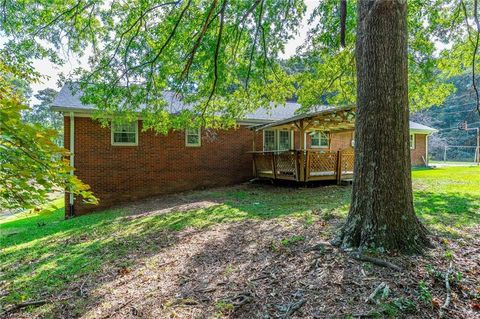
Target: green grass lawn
42,254
448,199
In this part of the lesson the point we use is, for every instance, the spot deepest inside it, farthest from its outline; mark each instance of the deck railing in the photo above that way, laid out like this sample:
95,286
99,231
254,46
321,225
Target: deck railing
304,165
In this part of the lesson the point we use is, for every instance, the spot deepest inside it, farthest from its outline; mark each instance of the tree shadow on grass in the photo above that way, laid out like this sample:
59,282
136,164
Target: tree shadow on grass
178,262
448,213
214,269
204,208
54,258
247,269
57,263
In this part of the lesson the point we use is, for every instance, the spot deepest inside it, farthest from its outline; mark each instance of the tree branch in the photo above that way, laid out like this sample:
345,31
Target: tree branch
477,38
4,11
241,26
259,23
130,28
215,57
343,20
447,287
65,13
191,56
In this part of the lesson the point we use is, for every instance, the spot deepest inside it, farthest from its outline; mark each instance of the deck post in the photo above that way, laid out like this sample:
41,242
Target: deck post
339,167
274,166
307,166
302,151
296,165
254,168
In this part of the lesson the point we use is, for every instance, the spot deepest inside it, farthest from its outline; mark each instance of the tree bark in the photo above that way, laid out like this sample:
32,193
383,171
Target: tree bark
382,214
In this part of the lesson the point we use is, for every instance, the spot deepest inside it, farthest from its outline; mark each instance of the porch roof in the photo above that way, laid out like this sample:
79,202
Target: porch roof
336,118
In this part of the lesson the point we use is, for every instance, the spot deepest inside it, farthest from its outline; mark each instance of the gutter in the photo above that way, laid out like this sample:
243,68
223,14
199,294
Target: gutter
87,112
419,131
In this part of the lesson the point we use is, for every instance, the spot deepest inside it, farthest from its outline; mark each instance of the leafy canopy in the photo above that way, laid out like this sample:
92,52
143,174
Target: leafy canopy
222,56
32,166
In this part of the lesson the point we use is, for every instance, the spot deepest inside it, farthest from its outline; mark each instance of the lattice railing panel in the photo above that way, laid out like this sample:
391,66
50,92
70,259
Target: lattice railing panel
348,160
285,163
263,162
322,161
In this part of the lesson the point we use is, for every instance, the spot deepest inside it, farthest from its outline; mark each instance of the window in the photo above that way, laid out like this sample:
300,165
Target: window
318,139
283,140
269,141
277,140
125,133
193,137
412,141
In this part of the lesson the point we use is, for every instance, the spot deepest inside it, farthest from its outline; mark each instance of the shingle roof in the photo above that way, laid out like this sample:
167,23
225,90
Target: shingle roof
68,99
276,112
420,127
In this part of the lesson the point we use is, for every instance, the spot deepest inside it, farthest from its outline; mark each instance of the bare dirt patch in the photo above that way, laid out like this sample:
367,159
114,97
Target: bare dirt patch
276,269
263,252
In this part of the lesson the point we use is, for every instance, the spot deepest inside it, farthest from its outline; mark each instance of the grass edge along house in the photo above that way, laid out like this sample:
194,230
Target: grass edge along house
122,163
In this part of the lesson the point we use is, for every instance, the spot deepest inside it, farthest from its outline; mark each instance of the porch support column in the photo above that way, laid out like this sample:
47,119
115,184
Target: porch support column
302,151
71,146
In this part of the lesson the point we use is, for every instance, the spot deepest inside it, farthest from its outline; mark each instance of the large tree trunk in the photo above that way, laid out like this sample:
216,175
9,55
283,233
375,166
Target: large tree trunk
382,214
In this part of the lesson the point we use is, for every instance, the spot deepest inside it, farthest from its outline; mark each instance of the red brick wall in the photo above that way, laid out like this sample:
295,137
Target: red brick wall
419,150
338,140
258,141
159,164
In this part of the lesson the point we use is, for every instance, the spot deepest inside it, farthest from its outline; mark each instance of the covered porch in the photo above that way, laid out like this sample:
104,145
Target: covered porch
308,147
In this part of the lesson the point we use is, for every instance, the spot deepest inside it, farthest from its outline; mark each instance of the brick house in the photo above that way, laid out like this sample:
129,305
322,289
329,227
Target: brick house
123,163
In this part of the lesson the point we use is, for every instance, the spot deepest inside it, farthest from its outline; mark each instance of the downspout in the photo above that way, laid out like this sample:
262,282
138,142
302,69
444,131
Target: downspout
71,211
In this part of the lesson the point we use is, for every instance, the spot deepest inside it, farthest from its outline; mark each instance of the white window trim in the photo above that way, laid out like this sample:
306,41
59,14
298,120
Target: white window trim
289,140
274,139
321,146
199,130
412,145
124,143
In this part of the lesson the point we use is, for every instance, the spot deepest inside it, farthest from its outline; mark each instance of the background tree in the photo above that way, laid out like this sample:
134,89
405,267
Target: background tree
41,114
32,166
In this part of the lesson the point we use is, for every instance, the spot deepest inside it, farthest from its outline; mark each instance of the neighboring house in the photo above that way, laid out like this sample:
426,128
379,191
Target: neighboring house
123,163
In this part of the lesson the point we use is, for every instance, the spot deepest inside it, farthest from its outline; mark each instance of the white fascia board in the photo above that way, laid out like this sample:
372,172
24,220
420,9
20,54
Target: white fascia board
428,132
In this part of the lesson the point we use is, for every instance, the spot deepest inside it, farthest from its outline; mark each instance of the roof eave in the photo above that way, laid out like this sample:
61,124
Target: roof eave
304,116
89,111
65,109
423,131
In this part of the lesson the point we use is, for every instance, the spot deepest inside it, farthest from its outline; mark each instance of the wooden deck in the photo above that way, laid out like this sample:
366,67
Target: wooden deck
304,165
